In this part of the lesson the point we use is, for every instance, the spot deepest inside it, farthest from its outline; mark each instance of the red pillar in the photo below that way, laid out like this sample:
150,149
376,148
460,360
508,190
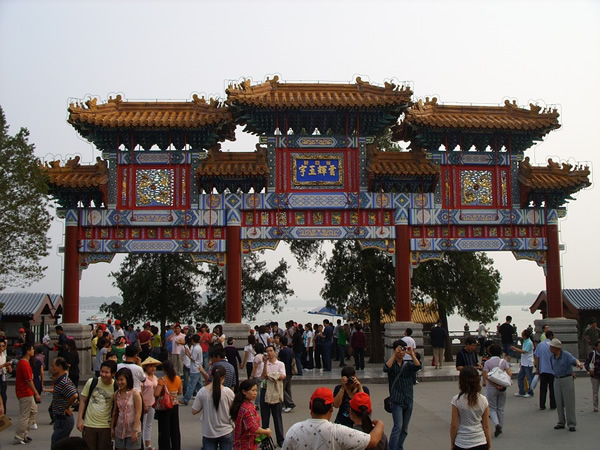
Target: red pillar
71,280
553,274
233,301
403,294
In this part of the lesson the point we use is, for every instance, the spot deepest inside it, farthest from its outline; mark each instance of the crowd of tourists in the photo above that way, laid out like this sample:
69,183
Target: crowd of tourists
238,395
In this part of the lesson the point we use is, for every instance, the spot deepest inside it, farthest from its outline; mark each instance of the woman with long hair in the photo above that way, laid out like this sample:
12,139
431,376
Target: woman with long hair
360,413
246,419
127,412
214,400
169,437
148,387
470,426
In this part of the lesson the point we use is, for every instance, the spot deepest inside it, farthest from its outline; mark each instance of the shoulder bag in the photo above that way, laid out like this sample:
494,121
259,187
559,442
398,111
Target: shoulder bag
163,401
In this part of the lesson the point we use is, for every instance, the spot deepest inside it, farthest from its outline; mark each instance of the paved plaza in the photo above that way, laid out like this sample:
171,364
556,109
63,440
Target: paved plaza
526,426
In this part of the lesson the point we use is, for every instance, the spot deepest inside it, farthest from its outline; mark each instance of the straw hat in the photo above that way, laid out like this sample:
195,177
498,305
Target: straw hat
150,360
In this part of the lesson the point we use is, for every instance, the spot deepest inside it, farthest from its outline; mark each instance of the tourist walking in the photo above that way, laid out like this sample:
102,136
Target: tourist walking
526,369
542,358
467,356
344,392
148,388
27,395
470,425
495,393
246,419
95,408
169,437
196,361
271,396
506,331
126,426
319,433
592,365
214,401
564,385
64,395
400,380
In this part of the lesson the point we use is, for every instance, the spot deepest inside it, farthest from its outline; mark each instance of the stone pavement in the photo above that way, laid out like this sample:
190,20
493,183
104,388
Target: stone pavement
526,426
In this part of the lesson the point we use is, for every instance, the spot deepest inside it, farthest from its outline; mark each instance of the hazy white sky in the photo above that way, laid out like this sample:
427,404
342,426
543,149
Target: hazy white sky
468,52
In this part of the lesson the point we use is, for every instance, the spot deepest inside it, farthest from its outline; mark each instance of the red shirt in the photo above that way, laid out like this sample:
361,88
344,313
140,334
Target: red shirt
144,336
246,424
24,374
204,341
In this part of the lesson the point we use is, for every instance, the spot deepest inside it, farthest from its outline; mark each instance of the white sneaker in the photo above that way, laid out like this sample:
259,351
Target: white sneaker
527,396
519,395
34,426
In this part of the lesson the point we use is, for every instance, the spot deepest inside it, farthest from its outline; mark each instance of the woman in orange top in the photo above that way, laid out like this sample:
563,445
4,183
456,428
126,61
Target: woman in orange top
169,437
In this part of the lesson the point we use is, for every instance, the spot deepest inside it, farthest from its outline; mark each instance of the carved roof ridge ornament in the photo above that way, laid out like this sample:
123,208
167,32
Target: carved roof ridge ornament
554,176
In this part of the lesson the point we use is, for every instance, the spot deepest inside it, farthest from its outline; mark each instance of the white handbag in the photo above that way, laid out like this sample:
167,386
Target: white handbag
499,376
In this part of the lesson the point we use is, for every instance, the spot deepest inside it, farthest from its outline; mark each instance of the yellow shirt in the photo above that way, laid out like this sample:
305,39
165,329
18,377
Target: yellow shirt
99,410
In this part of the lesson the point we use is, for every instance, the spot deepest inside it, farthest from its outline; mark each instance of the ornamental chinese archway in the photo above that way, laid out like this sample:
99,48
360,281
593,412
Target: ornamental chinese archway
163,184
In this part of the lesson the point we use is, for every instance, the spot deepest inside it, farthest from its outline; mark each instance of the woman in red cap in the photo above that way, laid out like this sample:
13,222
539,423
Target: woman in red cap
360,414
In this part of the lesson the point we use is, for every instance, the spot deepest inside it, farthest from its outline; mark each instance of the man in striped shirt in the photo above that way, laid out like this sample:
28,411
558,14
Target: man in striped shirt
63,396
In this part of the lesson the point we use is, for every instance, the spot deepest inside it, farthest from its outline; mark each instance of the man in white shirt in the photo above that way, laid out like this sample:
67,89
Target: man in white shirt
195,356
318,432
178,340
271,398
131,361
119,332
410,343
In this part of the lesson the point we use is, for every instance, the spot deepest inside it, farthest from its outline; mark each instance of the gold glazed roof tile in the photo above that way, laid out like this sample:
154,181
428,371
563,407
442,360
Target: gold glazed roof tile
507,117
554,176
272,93
116,113
413,162
73,175
233,164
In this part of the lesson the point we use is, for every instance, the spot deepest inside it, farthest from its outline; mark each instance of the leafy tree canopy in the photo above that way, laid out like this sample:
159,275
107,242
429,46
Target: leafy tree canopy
260,288
24,216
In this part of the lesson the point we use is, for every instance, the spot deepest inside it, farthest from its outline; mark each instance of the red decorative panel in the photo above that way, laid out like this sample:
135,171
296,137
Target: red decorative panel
476,187
153,187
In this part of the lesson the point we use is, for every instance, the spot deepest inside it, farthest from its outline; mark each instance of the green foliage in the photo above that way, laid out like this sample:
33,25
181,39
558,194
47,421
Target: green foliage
360,282
24,216
309,253
160,287
461,283
260,288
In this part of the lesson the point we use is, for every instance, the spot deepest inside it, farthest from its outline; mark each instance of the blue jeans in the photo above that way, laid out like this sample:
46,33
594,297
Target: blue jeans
526,371
63,425
193,381
223,442
327,346
401,415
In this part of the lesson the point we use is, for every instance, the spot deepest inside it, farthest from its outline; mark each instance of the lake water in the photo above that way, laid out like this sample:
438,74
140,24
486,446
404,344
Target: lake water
298,310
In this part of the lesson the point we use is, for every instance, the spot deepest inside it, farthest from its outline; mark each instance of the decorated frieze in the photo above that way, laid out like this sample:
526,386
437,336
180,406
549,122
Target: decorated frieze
151,246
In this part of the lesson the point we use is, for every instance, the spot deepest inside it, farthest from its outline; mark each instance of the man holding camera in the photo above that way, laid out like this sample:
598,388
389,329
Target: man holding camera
343,393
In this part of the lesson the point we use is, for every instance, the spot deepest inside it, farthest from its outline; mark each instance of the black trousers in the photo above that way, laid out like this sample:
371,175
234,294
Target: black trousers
547,383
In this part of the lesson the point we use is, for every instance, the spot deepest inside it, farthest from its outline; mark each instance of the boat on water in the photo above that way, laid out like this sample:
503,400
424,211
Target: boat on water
96,318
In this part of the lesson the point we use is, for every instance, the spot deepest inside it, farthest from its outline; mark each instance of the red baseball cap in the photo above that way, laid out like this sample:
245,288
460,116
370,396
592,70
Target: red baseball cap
324,394
361,399
21,330
117,322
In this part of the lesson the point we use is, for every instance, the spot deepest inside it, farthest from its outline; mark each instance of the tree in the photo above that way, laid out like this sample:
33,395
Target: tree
461,283
260,288
360,280
24,216
159,287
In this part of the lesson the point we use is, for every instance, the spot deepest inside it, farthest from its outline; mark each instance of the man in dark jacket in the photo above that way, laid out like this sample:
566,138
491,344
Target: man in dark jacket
438,337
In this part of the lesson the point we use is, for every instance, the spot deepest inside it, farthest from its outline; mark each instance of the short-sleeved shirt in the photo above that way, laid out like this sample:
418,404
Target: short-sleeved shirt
215,423
148,387
563,365
343,415
593,334
63,390
99,359
145,336
169,343
229,372
410,342
176,349
543,354
246,424
506,332
400,381
172,387
494,361
100,402
259,362
527,358
470,432
328,332
314,434
465,358
24,374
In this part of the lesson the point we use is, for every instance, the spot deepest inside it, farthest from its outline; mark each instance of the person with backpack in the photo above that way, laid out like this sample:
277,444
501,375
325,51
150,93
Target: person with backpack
95,408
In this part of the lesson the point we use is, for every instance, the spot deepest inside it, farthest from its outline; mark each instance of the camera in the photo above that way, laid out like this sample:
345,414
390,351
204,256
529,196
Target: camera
351,381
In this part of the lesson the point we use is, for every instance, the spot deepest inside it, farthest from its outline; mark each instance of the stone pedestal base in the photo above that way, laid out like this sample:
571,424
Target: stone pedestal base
83,340
564,329
238,331
394,331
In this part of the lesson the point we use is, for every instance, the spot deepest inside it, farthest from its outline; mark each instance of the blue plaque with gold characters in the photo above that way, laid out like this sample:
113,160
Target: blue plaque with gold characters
318,170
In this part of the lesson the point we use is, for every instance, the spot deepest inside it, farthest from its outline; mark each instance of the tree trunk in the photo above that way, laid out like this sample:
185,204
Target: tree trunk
376,350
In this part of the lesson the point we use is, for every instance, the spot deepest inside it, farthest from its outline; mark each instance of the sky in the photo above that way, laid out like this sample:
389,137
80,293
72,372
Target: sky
55,52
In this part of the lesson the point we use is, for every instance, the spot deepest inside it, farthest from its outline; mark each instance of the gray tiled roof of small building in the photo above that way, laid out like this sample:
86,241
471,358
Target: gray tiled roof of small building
583,299
21,303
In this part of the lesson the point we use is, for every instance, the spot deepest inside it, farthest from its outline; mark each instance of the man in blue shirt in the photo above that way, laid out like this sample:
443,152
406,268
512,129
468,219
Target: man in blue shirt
542,361
564,387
